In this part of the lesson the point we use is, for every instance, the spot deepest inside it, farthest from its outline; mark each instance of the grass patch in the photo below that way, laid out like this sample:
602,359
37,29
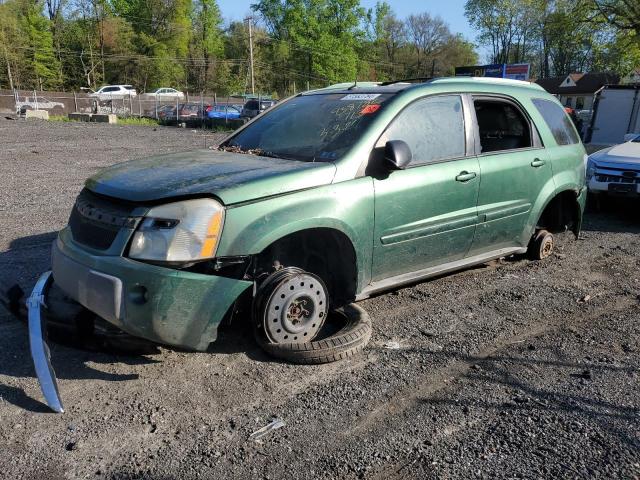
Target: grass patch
147,122
58,118
151,122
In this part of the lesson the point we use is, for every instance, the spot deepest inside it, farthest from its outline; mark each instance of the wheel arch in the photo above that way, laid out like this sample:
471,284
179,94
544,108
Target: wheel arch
561,212
328,252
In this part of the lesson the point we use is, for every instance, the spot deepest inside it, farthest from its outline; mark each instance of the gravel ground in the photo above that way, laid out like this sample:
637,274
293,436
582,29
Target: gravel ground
516,369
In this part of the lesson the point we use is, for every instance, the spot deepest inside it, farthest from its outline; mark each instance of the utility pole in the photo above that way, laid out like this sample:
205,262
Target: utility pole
253,86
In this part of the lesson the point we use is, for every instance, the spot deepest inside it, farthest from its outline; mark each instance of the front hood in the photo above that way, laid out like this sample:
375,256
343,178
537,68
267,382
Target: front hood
232,177
619,156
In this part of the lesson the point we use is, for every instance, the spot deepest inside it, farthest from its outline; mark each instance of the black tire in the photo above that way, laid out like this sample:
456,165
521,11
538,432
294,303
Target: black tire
541,245
345,343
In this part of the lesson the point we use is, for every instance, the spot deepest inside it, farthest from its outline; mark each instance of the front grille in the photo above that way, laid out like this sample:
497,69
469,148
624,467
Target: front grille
95,220
617,179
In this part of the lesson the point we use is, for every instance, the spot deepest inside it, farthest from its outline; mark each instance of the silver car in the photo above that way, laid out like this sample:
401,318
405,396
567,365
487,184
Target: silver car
114,92
616,170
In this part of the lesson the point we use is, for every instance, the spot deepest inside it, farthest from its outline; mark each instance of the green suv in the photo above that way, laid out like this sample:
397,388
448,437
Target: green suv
330,197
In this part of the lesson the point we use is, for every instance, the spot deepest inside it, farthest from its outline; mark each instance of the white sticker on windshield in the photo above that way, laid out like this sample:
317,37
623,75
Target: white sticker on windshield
360,96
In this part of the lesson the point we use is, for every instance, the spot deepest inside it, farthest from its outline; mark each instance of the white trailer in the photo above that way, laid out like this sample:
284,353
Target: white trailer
616,113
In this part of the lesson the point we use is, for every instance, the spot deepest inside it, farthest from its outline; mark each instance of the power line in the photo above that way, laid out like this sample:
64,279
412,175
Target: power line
296,46
193,61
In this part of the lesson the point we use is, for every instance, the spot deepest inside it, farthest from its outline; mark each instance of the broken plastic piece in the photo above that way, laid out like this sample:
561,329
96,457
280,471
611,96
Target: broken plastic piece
39,349
258,434
391,345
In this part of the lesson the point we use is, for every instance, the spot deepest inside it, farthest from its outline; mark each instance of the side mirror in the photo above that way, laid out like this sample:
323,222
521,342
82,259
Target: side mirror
397,154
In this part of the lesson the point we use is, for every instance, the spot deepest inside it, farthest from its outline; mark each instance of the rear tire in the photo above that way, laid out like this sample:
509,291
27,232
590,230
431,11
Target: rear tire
541,245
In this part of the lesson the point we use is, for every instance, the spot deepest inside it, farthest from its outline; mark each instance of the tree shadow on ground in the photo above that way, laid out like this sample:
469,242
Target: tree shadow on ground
566,380
613,214
72,349
25,260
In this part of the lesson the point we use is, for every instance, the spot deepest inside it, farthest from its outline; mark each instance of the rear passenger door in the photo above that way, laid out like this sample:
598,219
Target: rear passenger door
425,215
514,169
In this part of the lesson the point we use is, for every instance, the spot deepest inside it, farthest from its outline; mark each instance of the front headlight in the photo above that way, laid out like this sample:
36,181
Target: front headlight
591,169
179,232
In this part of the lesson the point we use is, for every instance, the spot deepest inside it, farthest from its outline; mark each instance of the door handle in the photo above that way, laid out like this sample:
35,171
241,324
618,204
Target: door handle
465,176
537,163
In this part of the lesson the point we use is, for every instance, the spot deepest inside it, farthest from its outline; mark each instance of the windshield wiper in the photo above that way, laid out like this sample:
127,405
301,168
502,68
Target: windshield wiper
264,153
284,156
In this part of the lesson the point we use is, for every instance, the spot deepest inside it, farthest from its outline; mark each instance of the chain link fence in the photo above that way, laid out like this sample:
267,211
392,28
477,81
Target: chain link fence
190,109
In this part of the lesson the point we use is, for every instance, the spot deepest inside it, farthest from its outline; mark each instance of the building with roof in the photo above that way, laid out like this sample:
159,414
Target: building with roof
577,90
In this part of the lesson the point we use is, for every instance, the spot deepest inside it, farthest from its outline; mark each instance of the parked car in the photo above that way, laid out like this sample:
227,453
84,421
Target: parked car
166,112
230,112
253,108
328,198
114,92
615,170
161,93
38,103
190,113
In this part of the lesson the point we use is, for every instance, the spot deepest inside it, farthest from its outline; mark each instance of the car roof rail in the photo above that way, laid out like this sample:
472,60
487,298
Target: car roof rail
407,80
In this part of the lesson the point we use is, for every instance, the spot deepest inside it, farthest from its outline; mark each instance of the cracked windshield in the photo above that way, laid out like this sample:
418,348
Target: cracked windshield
313,128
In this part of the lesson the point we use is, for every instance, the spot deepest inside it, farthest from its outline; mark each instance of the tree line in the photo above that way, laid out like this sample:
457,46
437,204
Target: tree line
297,44
558,37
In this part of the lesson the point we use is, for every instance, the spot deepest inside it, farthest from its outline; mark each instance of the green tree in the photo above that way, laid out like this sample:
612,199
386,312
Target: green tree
624,15
35,27
163,34
323,36
207,42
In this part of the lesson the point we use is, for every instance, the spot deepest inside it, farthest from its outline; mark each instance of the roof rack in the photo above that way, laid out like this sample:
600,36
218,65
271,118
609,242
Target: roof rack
407,80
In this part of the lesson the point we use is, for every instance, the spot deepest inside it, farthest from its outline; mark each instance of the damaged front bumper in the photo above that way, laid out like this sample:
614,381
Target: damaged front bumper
39,349
164,305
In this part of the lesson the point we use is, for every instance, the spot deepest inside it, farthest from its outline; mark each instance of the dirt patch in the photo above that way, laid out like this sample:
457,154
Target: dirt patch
504,371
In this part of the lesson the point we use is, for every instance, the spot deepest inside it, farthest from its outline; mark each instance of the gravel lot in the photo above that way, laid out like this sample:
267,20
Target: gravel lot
512,370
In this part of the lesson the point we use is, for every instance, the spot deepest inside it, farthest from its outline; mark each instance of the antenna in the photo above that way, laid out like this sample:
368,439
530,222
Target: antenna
355,83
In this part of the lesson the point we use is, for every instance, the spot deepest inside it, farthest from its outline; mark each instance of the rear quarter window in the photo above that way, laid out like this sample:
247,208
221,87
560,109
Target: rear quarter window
558,121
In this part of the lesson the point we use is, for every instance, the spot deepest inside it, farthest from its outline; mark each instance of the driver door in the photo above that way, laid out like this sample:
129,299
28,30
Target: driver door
426,214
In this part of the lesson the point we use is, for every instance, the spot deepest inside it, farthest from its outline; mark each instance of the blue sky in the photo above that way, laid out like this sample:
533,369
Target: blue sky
452,11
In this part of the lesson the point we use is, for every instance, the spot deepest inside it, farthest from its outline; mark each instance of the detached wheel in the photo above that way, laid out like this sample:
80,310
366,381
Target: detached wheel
290,309
541,245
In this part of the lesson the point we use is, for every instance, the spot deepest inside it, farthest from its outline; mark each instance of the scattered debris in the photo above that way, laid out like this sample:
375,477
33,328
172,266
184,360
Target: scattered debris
71,446
584,299
274,425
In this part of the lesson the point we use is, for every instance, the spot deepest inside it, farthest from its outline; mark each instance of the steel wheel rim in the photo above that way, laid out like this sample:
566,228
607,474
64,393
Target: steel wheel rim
296,309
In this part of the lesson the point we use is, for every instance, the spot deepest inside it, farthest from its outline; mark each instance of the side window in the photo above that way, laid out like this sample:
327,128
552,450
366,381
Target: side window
558,121
432,127
501,126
